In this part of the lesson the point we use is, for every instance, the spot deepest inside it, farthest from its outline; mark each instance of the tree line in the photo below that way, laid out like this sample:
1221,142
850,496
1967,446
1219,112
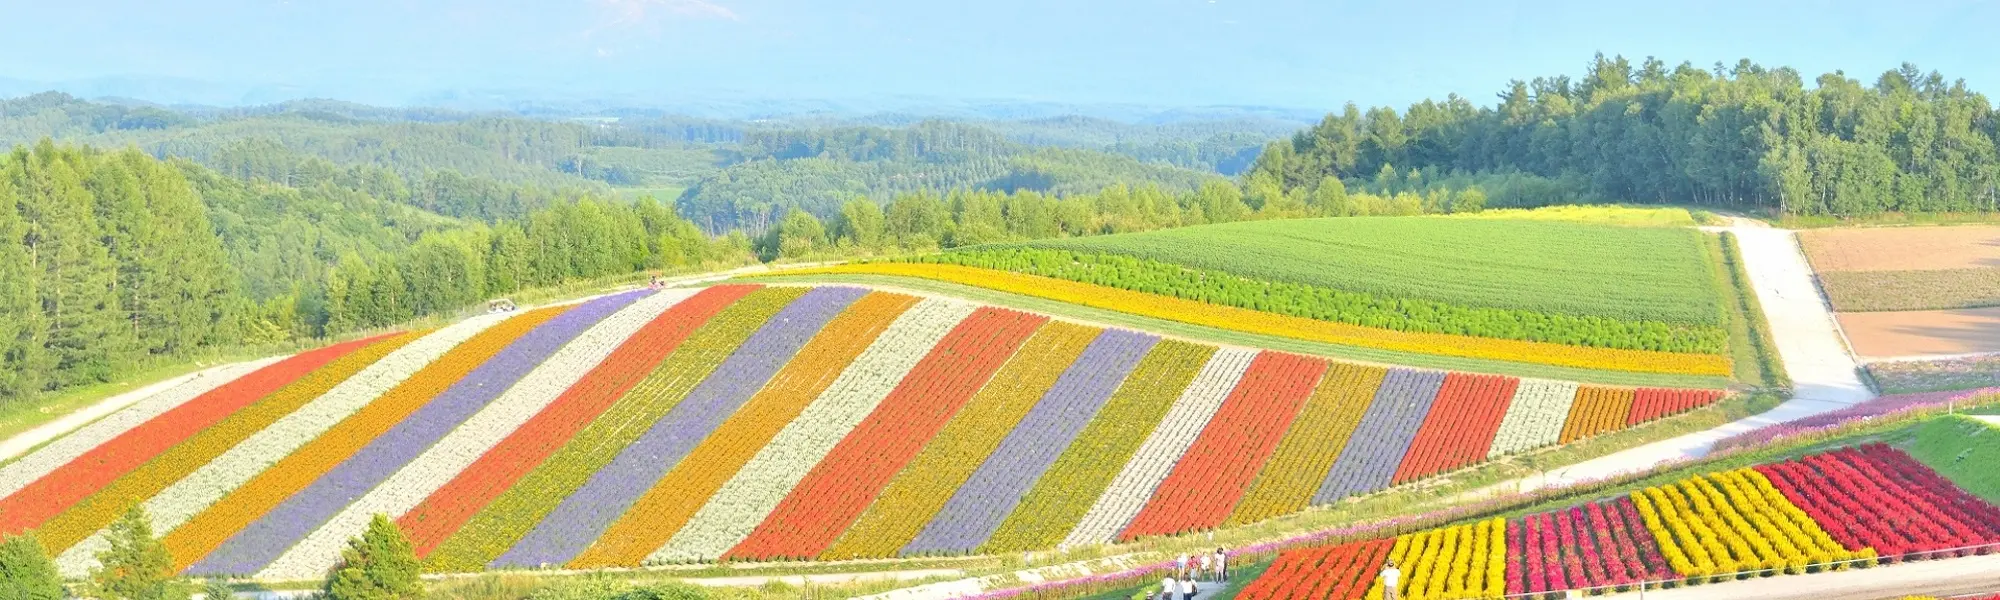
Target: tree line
922,221
113,261
1741,136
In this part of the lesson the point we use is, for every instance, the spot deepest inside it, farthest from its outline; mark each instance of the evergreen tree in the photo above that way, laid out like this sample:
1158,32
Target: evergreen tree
26,573
23,362
135,566
85,336
379,565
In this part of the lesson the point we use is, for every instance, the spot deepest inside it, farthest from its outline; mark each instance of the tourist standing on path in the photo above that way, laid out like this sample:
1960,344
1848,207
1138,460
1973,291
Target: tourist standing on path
1391,578
1187,589
1221,570
1180,567
1201,573
1167,588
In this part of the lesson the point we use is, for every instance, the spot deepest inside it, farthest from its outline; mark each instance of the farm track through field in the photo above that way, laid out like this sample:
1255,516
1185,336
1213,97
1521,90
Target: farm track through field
1825,376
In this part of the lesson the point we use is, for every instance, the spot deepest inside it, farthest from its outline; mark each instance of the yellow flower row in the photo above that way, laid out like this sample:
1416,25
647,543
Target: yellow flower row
1259,322
1072,485
1304,456
1712,526
921,489
106,505
672,501
208,530
1455,563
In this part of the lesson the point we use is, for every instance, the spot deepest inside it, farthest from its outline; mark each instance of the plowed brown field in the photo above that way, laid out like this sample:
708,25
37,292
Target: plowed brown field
1902,248
1921,332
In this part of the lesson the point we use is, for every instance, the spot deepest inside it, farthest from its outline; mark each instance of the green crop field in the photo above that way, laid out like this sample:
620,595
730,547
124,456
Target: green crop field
1603,214
1623,273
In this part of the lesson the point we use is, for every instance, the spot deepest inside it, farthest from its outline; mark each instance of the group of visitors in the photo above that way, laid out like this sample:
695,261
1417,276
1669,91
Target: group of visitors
1179,585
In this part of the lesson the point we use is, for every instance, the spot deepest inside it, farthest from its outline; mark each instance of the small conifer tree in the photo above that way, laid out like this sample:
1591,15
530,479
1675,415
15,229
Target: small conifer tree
136,566
379,565
26,573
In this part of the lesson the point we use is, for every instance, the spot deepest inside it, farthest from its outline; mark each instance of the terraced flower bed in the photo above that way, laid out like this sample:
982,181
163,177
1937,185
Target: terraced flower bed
1848,508
752,423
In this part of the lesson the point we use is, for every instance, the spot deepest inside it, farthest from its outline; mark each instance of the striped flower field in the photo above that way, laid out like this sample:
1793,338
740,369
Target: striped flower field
1848,508
747,422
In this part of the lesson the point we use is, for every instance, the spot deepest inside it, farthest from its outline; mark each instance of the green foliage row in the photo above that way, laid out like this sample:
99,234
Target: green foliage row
1619,273
1744,136
1314,302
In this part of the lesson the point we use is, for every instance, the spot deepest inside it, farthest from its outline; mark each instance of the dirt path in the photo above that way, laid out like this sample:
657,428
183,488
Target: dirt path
28,440
1809,340
739,581
1824,374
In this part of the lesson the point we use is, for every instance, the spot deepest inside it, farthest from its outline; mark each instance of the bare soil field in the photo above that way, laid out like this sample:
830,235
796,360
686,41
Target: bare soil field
1926,332
1864,291
1902,248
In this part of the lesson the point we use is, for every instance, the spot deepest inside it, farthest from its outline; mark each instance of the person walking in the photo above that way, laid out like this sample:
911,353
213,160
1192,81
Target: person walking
1187,589
1202,571
1180,567
1392,577
1168,588
1221,571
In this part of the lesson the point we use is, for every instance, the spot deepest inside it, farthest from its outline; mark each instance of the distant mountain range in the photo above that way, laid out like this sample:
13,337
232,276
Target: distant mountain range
549,102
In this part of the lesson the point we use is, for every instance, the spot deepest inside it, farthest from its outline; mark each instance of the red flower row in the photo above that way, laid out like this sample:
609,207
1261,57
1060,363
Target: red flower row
1877,497
1460,427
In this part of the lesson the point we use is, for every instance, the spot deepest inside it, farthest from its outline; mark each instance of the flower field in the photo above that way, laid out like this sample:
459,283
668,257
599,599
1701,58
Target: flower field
1847,508
751,422
1282,325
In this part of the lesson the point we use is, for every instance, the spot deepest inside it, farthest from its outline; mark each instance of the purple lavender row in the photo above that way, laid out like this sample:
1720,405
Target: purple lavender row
262,541
1878,407
993,490
585,514
1384,435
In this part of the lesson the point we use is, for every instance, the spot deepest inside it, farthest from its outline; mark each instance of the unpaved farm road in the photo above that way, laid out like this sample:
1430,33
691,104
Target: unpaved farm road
1825,376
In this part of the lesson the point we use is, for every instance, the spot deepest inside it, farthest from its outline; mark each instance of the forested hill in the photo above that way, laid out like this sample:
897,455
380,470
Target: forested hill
113,261
1746,136
724,174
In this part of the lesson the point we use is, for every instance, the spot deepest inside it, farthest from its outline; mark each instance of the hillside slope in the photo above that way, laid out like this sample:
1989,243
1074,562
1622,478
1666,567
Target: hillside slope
753,422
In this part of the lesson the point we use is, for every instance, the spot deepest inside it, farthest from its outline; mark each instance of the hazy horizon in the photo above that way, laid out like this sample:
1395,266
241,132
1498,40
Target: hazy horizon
1302,55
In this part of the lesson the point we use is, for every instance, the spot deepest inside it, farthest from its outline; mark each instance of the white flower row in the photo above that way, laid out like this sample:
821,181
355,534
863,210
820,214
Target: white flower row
312,556
61,451
1536,416
1156,456
750,496
208,484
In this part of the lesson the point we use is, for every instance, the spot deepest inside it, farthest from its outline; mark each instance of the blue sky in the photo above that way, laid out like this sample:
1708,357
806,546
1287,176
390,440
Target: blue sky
1157,52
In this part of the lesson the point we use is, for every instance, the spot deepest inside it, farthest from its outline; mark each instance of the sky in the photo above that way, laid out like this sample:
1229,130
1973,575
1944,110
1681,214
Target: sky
1303,54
